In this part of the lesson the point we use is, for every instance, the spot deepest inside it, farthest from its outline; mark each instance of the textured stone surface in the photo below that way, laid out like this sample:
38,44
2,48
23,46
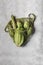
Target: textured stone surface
32,53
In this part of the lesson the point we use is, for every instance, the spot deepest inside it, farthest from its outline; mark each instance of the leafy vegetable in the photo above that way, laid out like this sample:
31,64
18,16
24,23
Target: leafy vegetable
20,28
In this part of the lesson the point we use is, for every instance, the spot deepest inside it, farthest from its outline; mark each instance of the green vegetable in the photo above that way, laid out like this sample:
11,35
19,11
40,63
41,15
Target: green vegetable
26,24
20,28
18,37
19,24
13,21
11,31
29,31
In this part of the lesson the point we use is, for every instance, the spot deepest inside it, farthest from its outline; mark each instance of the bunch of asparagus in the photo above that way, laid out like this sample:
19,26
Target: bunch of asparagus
20,28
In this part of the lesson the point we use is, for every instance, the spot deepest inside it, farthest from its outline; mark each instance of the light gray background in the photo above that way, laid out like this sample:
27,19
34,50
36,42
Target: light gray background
32,53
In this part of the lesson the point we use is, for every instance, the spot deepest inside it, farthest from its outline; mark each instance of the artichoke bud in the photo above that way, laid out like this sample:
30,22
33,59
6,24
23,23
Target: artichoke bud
18,37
